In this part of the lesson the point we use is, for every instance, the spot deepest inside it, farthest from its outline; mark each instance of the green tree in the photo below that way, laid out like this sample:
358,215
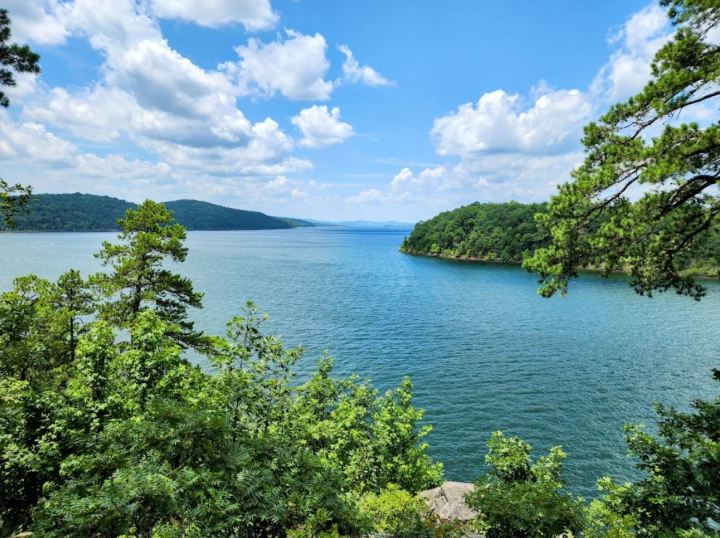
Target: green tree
13,198
28,347
594,221
128,438
71,301
14,58
139,280
490,232
395,513
101,435
520,498
681,465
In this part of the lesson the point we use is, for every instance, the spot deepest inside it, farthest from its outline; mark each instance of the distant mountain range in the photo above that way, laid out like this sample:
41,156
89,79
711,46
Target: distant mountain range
391,224
92,213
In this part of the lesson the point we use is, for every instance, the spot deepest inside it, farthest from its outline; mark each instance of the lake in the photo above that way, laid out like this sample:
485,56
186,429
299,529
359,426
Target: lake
484,350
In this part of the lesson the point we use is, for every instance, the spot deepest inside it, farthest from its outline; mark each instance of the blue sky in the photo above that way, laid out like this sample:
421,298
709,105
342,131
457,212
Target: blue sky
381,110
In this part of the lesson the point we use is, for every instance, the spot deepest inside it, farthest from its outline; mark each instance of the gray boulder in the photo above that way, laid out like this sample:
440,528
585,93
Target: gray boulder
448,501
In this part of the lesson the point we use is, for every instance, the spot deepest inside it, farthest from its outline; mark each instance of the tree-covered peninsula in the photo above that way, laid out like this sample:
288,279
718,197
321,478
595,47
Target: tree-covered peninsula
488,232
509,232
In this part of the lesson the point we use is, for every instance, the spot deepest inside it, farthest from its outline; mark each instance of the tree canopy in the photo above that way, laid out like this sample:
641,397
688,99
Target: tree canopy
644,198
108,429
14,58
508,232
647,191
491,232
139,280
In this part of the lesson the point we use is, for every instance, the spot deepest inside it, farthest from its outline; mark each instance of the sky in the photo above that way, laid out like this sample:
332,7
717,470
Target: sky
324,109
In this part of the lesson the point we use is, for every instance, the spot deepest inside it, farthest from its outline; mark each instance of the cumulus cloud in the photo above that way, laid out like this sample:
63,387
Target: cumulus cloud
253,14
294,66
111,25
509,146
356,73
154,123
321,127
637,41
47,161
43,22
499,122
167,108
183,120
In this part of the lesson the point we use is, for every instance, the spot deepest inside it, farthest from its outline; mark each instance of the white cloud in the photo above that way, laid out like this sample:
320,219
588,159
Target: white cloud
85,115
321,127
294,66
52,164
42,22
253,14
510,146
161,79
111,26
154,123
356,73
628,69
368,195
31,140
149,99
499,122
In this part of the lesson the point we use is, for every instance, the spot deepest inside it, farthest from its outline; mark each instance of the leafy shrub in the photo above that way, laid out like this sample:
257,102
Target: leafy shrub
395,513
520,498
107,428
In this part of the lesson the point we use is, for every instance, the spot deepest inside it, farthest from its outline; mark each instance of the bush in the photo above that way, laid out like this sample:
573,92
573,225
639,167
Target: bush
523,499
395,513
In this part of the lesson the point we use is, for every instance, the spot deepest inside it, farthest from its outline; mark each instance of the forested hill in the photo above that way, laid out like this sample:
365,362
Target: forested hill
92,213
506,232
490,232
197,215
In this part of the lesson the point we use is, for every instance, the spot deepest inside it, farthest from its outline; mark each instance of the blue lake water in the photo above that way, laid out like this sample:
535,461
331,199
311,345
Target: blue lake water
484,350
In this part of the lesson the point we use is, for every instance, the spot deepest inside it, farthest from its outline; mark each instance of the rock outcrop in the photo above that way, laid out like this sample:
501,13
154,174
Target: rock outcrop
448,501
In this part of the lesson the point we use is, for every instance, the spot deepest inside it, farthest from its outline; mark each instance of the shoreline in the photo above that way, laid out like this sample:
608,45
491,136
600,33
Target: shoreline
480,261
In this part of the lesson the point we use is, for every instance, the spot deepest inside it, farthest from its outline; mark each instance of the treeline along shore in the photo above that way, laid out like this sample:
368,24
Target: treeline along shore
79,212
508,232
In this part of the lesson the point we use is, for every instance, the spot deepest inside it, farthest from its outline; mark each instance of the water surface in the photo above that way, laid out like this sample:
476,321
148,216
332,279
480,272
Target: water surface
484,350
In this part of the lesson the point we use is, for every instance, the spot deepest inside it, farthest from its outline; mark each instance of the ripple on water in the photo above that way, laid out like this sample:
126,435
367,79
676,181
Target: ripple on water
483,350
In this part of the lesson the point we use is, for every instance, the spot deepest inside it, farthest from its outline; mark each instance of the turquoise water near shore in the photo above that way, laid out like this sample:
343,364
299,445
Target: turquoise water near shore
484,350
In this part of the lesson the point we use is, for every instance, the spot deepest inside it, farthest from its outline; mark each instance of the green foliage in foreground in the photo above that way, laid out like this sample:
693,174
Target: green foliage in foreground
680,491
106,428
594,220
521,498
139,280
646,194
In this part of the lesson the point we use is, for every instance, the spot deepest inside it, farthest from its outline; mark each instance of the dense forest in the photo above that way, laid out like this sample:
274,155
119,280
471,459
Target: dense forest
509,232
92,213
489,232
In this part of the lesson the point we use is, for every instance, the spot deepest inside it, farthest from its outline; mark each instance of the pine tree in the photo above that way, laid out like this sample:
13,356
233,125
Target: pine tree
20,59
138,279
